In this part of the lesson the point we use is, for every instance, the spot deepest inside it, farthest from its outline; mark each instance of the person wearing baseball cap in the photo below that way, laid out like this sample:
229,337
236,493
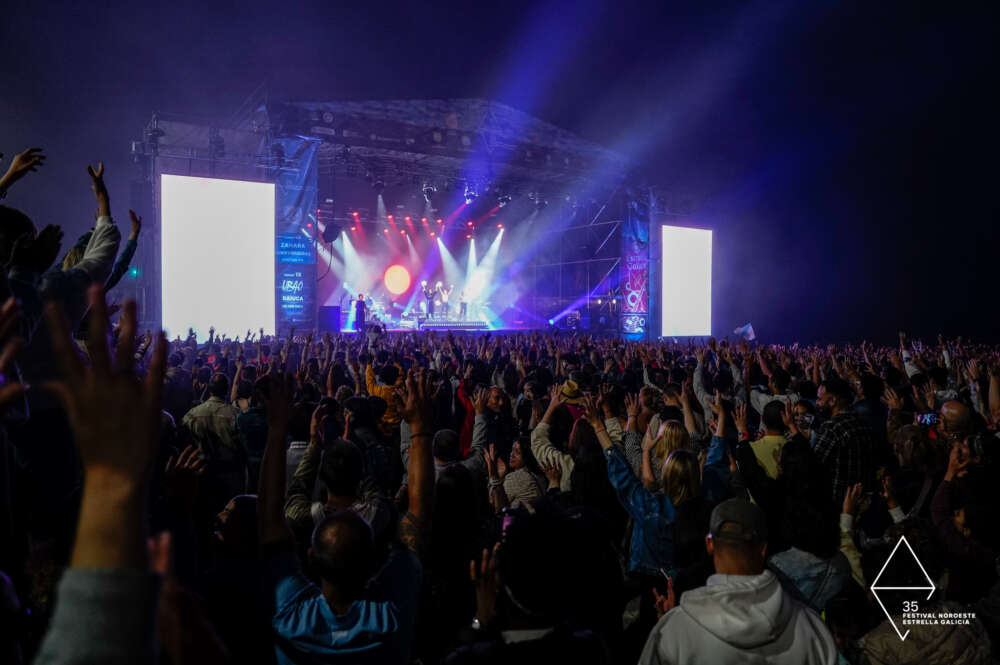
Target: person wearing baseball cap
742,614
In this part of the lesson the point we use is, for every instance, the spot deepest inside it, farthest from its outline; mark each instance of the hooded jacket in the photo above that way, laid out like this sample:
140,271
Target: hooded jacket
740,619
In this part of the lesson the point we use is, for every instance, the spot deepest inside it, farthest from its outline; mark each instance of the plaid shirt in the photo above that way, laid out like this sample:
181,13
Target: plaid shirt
844,446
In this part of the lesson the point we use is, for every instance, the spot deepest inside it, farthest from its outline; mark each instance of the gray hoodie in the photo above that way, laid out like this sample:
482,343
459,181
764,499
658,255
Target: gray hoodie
740,619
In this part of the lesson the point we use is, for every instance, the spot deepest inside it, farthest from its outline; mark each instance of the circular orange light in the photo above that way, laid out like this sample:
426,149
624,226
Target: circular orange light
397,279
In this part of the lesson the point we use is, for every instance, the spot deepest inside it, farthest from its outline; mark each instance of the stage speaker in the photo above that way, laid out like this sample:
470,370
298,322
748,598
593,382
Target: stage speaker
328,319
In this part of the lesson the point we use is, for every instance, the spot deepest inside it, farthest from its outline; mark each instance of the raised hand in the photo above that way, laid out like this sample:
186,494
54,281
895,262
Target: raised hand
852,499
648,439
893,399
958,460
119,440
100,190
501,467
592,413
972,370
684,397
632,405
24,163
136,222
740,418
788,417
317,423
699,353
479,399
115,417
486,579
665,603
180,477
553,472
716,405
418,407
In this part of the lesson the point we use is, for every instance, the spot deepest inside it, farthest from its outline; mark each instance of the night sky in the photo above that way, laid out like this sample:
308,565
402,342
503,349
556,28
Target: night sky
845,153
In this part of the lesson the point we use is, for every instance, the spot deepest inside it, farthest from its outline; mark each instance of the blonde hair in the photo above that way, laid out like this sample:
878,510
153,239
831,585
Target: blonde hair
73,256
681,476
675,437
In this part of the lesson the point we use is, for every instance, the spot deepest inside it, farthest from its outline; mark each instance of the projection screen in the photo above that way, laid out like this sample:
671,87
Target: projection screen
217,256
686,287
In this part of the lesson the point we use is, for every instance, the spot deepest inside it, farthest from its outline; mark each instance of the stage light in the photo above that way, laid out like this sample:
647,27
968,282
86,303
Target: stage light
503,200
406,219
499,226
470,194
309,225
598,301
389,217
469,236
469,223
429,190
355,213
354,228
432,234
397,279
402,232
423,220
386,230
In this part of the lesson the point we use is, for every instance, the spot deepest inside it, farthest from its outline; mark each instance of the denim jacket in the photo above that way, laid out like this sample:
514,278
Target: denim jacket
652,515
816,581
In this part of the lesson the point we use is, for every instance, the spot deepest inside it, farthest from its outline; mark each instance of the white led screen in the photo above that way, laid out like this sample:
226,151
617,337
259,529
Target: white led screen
686,283
217,255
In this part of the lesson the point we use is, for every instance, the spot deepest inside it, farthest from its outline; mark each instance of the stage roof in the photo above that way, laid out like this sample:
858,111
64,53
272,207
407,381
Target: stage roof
457,139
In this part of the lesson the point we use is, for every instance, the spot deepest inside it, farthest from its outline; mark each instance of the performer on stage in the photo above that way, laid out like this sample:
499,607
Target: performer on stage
429,295
463,304
360,309
445,293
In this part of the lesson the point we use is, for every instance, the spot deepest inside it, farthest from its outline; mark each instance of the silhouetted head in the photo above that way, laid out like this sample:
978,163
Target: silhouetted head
218,386
343,552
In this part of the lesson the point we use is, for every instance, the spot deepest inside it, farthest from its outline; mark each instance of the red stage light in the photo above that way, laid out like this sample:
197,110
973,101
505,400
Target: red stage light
389,217
406,219
397,279
469,223
309,225
432,234
440,221
354,228
386,230
499,226
402,232
355,213
468,236
423,220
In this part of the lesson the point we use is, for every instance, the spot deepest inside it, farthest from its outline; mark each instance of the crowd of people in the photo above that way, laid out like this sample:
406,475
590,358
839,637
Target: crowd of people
432,497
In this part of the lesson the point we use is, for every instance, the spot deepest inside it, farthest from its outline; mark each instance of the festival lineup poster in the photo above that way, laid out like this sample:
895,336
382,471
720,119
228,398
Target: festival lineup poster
635,270
295,272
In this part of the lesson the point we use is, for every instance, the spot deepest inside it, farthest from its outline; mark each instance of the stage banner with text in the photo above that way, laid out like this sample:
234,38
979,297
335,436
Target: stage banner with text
296,177
635,270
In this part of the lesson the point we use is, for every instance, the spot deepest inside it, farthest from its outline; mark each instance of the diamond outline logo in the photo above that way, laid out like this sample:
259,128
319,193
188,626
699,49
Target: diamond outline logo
875,587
